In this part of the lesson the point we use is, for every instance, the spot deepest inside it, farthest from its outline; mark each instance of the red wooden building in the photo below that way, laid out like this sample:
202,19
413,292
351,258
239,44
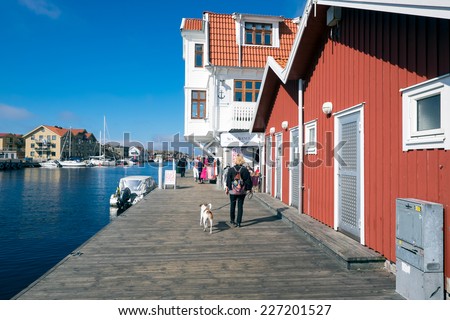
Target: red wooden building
373,82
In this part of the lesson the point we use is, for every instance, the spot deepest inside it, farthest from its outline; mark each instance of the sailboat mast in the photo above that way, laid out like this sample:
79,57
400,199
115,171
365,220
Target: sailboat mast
104,135
70,142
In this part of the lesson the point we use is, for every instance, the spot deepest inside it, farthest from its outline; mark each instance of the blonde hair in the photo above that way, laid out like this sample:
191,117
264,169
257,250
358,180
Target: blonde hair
239,160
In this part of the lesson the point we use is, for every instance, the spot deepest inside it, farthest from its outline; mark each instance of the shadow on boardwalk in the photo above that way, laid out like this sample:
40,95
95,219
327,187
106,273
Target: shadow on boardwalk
157,250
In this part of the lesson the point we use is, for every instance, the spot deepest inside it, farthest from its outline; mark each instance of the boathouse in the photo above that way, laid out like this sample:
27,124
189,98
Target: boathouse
372,82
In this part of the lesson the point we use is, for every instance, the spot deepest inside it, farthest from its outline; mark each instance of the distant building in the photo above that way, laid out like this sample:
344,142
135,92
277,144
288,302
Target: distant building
53,142
11,146
225,55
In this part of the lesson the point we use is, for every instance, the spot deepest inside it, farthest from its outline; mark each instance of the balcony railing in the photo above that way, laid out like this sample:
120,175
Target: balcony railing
236,117
242,117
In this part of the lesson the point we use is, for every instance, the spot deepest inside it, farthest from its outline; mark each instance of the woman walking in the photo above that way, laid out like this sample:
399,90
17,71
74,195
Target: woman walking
239,183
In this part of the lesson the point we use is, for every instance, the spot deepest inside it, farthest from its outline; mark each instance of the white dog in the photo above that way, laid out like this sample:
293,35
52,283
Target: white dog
205,216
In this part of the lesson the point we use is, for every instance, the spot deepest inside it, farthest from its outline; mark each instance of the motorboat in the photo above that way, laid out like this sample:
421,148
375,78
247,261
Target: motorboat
73,163
131,190
101,161
50,164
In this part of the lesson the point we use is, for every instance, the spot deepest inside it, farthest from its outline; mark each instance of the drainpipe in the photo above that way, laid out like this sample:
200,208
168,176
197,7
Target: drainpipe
238,19
212,112
300,144
206,26
240,41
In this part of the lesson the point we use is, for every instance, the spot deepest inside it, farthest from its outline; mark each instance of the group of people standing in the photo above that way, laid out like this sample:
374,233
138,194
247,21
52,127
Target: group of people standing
204,168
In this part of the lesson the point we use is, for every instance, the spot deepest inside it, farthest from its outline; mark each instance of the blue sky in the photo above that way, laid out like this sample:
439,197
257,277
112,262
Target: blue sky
71,62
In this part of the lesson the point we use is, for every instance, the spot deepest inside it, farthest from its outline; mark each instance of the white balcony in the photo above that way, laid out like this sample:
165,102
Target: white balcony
236,117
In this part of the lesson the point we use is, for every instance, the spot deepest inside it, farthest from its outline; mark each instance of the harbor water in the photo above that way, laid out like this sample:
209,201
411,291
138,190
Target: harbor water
45,214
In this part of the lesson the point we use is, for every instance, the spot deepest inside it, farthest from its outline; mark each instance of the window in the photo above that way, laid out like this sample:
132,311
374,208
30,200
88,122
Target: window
198,104
311,137
246,90
198,55
424,112
258,33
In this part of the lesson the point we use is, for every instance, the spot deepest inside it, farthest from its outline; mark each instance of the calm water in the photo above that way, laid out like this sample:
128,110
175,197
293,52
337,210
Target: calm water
45,214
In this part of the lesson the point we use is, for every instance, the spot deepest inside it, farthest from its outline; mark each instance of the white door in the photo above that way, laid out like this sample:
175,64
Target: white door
294,169
348,159
278,159
269,162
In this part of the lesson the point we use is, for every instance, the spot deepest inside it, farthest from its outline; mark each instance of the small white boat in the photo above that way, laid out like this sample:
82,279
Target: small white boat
50,164
73,164
101,161
131,190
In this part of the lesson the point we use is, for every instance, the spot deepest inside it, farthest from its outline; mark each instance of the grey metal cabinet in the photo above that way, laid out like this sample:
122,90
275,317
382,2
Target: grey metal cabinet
419,249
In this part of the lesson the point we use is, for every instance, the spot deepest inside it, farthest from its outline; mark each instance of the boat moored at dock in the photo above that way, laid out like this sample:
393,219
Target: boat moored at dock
131,190
50,164
101,161
73,163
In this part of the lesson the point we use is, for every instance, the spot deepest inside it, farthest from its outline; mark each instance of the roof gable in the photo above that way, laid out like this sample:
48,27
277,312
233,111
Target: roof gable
225,50
189,24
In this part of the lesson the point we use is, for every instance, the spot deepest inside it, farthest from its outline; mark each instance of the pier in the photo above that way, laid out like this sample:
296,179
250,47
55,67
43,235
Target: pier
157,250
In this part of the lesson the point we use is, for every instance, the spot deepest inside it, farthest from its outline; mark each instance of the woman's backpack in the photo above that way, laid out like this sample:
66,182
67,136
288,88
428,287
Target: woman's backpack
237,185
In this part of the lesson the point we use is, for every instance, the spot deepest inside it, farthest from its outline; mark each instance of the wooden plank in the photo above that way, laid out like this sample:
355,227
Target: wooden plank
157,250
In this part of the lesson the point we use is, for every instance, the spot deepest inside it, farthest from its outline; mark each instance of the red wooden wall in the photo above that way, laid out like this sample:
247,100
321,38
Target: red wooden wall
373,57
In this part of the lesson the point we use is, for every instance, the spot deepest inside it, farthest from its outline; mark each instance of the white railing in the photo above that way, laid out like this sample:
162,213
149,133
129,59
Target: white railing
236,117
242,117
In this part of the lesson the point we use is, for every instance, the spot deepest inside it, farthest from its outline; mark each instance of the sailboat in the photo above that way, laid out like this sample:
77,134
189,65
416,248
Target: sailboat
71,163
101,160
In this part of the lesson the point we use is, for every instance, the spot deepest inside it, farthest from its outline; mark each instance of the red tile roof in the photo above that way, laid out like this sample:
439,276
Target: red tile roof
78,131
193,24
9,134
58,130
224,50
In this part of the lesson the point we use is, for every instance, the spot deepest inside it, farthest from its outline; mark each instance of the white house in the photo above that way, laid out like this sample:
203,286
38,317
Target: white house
225,56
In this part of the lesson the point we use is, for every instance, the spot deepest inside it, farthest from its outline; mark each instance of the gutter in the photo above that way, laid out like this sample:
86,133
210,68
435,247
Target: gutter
300,144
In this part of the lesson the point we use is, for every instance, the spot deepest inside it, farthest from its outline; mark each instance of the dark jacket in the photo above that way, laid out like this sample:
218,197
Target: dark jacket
245,176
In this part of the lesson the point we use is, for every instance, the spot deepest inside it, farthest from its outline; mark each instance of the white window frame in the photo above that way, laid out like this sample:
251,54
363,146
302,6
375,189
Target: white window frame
310,142
240,28
427,139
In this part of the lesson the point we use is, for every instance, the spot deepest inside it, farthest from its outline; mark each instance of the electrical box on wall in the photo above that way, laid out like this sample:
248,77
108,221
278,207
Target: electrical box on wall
420,249
333,16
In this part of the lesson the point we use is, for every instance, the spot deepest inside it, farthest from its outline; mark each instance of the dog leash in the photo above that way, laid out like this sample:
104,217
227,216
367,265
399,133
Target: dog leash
249,195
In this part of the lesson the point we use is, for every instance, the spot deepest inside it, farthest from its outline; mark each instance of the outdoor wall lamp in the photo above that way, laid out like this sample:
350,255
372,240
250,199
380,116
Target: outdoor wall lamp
327,107
272,131
284,125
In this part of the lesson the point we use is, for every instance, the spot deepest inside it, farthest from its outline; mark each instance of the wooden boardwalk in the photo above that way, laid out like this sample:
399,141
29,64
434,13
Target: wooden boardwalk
157,250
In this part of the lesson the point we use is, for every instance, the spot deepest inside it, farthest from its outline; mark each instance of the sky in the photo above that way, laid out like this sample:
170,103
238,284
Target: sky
74,63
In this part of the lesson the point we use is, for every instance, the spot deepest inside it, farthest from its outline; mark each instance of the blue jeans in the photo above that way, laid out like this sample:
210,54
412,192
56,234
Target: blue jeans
240,203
